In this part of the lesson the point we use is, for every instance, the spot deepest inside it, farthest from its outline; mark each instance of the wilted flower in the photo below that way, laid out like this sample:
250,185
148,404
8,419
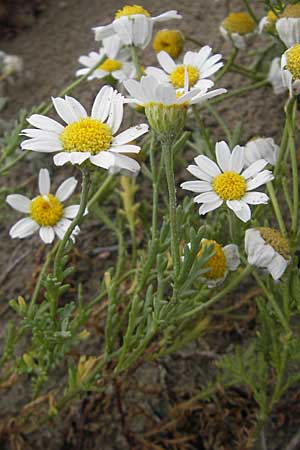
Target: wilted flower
170,41
288,25
134,25
267,249
275,76
224,259
238,28
261,148
290,67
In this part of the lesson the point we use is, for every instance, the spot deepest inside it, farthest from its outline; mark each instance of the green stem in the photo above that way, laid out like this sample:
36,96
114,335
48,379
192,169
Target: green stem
291,127
283,145
169,169
76,221
203,130
136,62
154,173
40,279
232,285
100,193
276,208
273,302
228,64
221,122
250,11
239,91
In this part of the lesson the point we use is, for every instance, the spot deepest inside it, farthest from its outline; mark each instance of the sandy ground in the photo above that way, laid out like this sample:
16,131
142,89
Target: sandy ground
50,49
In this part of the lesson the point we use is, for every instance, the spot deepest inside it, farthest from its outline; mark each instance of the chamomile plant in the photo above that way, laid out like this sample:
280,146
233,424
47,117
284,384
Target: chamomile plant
154,135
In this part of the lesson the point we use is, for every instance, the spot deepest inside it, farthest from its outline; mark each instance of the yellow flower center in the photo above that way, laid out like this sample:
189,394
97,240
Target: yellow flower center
171,41
86,135
229,186
272,17
217,263
130,10
177,76
278,242
110,65
46,210
292,11
241,23
293,61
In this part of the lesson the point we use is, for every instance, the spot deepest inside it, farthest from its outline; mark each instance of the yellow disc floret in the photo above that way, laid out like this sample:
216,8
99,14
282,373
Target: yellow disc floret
240,23
292,11
293,61
217,263
229,186
177,76
278,242
86,135
130,10
171,41
110,65
46,210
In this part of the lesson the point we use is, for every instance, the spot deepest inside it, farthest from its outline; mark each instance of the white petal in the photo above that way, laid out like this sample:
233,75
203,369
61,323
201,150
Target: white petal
61,227
71,211
166,94
115,162
240,209
19,202
47,234
236,162
135,89
277,266
168,15
206,207
103,32
207,197
66,189
77,107
44,182
263,177
115,116
232,256
166,62
197,172
102,103
126,148
254,168
64,110
45,123
73,157
196,186
43,146
201,98
130,134
157,73
255,198
223,155
23,228
207,165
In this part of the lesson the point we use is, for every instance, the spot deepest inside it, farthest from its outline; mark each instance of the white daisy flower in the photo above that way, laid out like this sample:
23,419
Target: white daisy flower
290,69
149,90
46,212
261,148
226,182
238,29
199,65
166,107
267,249
86,137
225,259
116,63
288,25
134,25
275,77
